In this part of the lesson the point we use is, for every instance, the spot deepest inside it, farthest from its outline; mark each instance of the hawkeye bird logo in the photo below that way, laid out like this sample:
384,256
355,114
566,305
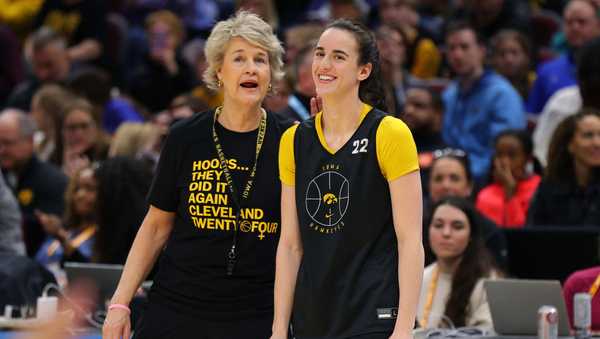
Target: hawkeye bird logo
327,198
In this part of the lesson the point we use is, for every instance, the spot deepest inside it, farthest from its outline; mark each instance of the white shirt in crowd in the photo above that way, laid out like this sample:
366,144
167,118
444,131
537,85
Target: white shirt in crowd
563,103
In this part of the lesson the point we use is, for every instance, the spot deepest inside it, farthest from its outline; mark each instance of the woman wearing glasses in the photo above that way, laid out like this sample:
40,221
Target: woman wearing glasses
450,175
350,257
214,204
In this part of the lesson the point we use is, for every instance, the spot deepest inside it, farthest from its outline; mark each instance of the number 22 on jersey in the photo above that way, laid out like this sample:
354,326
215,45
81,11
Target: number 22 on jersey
360,146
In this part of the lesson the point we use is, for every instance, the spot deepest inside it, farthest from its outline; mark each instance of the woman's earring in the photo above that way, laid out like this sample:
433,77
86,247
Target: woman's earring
270,88
219,83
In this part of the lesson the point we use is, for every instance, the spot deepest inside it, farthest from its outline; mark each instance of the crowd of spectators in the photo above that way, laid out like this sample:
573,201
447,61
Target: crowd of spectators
500,95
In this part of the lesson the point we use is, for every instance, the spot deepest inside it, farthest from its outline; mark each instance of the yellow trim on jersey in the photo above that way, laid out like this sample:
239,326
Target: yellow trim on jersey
287,161
396,149
319,126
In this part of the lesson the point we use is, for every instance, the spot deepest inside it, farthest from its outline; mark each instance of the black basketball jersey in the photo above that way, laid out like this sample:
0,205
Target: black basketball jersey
349,269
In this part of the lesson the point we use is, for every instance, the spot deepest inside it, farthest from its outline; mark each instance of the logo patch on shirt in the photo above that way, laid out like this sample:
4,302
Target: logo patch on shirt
25,196
327,198
387,313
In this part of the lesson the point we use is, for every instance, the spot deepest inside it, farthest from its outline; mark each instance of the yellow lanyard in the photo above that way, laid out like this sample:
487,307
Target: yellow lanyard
595,286
76,242
430,295
262,128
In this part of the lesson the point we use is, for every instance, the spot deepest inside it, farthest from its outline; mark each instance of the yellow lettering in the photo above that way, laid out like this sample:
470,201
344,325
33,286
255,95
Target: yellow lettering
208,198
232,164
252,213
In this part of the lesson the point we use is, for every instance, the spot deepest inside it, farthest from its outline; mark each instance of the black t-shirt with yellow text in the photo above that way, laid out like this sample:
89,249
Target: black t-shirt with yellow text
189,182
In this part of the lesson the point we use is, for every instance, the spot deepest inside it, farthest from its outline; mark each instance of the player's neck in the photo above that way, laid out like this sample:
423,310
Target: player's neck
341,117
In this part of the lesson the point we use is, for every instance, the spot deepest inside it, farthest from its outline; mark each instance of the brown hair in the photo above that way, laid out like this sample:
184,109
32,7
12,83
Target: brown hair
561,165
476,262
72,219
171,20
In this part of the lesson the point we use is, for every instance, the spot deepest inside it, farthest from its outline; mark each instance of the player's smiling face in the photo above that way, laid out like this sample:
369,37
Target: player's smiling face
245,72
335,65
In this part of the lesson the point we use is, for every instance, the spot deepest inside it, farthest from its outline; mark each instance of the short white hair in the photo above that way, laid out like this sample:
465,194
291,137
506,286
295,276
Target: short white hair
249,27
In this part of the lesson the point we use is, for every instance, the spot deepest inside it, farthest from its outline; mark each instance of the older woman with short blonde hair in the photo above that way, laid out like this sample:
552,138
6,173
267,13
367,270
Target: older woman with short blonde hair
214,204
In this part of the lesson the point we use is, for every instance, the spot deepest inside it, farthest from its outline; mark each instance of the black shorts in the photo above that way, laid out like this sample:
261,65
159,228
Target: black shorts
161,323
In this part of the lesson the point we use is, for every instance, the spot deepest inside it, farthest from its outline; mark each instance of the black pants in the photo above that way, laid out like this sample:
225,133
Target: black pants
161,323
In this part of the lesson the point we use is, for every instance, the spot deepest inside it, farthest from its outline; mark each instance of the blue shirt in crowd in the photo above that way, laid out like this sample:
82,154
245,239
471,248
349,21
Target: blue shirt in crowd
473,118
116,112
551,76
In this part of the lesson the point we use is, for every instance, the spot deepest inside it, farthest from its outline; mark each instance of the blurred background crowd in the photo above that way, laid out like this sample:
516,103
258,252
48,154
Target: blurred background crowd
501,97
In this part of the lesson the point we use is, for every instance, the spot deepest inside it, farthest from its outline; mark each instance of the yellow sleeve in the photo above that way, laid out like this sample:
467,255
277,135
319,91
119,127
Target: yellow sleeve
287,164
396,149
19,13
427,60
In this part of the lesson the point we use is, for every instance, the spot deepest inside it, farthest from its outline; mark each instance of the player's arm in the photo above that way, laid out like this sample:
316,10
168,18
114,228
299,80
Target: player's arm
289,255
407,207
289,249
397,155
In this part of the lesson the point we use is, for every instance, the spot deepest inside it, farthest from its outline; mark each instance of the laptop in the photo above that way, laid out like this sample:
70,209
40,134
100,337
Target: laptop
104,277
514,305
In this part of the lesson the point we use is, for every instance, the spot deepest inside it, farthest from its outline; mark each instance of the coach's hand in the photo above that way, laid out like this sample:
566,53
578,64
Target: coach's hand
117,325
316,105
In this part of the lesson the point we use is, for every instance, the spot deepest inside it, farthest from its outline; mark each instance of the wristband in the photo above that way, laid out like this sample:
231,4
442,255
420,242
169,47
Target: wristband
120,306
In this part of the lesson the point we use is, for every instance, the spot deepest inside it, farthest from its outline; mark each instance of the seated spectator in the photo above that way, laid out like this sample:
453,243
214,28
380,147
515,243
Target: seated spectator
263,8
198,16
506,200
95,85
83,142
298,105
122,187
49,64
81,22
584,281
297,37
194,55
479,104
135,140
323,11
569,100
569,194
396,79
452,293
511,58
423,57
277,100
423,115
450,176
47,109
185,105
71,237
582,24
163,74
11,235
36,184
490,16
